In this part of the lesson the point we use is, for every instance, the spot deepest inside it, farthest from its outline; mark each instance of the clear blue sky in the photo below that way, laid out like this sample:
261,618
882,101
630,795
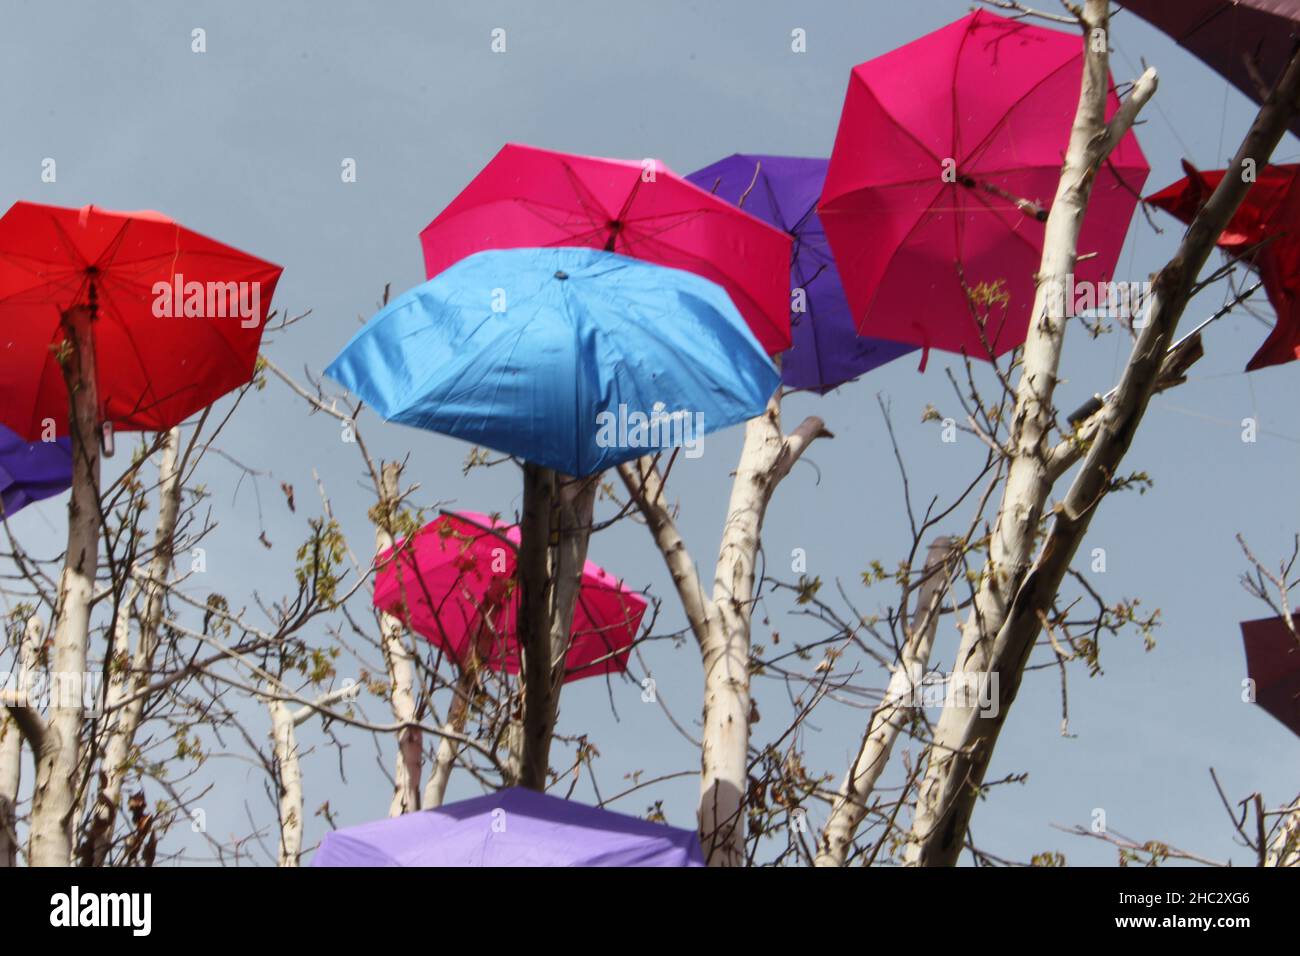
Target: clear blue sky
245,141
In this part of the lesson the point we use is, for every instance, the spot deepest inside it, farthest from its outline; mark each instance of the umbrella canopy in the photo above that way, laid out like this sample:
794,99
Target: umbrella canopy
1273,663
573,359
30,471
826,349
537,198
179,316
1247,41
514,827
1268,218
940,187
454,585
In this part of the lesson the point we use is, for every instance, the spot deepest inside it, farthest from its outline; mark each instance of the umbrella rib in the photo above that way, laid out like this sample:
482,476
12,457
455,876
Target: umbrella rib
740,289
40,383
776,206
41,285
954,132
111,247
66,240
922,216
973,155
585,196
982,200
902,128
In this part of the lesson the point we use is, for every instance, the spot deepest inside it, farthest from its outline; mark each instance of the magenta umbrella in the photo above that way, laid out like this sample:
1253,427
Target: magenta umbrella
941,186
536,198
455,585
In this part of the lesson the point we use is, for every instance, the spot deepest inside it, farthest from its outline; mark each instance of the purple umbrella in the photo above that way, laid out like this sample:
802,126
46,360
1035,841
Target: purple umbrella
32,471
1247,41
783,191
514,827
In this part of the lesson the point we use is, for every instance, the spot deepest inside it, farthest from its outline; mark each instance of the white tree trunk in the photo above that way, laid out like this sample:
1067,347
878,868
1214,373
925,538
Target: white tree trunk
11,744
290,779
1284,851
964,740
59,768
722,625
724,766
435,791
401,668
893,713
1015,530
124,684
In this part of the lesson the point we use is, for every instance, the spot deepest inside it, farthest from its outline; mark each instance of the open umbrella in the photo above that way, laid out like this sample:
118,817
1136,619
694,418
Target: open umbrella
1265,230
937,188
783,190
454,585
30,471
1273,663
573,359
1247,41
513,827
529,197
178,317
111,319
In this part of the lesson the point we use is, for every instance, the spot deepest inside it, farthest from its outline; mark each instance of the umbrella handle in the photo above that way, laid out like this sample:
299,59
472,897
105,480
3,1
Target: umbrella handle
106,439
1026,206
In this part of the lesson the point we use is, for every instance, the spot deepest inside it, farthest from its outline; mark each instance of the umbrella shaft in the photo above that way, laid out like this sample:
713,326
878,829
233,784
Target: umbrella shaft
1026,206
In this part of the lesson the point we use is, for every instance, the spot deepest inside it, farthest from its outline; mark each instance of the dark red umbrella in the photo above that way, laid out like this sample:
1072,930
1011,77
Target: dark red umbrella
1247,41
1265,230
1273,663
178,317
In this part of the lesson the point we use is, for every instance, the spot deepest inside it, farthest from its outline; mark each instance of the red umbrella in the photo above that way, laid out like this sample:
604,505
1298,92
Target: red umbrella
1273,663
529,197
178,316
1267,219
939,187
455,585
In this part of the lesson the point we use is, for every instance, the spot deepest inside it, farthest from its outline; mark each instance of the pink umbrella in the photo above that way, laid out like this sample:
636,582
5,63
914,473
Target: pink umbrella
941,186
528,197
455,586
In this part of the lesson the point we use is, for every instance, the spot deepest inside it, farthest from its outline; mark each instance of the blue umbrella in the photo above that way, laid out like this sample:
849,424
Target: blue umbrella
30,471
570,358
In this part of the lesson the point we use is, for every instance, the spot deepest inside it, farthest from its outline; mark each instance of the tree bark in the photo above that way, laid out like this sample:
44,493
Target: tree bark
125,684
964,740
435,791
1284,851
724,762
59,767
289,775
722,625
11,743
554,535
893,713
399,661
